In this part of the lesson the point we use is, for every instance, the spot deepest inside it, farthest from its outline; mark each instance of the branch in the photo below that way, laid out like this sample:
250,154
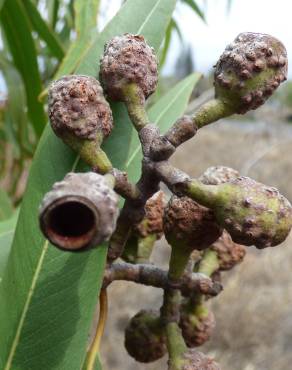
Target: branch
150,275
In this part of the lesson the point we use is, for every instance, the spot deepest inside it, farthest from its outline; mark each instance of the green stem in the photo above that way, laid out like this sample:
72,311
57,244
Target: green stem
145,247
209,263
95,157
206,195
90,152
212,111
135,103
175,345
178,260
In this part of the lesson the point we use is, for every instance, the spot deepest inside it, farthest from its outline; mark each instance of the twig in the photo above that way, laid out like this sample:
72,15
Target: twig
151,275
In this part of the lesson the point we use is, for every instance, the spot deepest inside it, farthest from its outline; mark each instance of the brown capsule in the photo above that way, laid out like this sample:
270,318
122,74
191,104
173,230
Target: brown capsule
259,65
153,219
79,212
144,337
186,222
228,253
77,106
245,74
194,360
128,59
196,323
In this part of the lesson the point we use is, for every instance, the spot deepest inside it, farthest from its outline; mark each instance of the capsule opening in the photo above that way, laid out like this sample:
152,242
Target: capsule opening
70,224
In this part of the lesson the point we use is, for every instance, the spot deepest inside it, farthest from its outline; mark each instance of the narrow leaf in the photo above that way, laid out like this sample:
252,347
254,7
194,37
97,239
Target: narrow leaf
16,120
18,34
6,208
86,12
47,297
41,27
53,8
7,229
193,4
166,44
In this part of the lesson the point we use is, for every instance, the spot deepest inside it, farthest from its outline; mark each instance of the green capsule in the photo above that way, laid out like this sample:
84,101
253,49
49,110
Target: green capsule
250,70
252,213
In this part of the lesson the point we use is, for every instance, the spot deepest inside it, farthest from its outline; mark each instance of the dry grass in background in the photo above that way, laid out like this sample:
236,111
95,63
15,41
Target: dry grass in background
254,321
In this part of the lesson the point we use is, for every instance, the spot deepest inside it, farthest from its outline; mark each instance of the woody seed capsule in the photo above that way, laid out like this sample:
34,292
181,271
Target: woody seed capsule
249,70
79,212
128,59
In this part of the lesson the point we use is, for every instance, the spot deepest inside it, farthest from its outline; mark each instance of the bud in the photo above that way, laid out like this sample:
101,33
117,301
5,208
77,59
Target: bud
79,212
252,213
218,175
77,107
228,253
144,234
128,60
194,360
197,323
144,338
190,224
249,70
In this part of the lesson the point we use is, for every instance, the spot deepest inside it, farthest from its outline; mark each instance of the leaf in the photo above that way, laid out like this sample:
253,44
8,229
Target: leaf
166,44
168,35
164,113
7,229
53,8
16,121
47,297
6,208
85,22
18,34
43,29
195,7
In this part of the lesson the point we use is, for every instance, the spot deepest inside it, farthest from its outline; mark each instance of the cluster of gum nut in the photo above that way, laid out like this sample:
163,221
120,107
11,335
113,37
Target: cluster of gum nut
247,73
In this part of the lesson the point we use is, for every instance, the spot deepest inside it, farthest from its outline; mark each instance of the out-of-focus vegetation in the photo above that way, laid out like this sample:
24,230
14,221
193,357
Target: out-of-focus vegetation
42,40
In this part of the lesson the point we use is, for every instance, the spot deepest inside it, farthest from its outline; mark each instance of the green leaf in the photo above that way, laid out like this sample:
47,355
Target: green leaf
1,4
18,34
53,8
7,229
6,208
195,7
48,297
164,113
16,121
166,44
86,12
43,29
168,35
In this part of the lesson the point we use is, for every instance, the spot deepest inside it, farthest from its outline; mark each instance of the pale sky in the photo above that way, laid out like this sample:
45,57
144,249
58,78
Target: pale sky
209,40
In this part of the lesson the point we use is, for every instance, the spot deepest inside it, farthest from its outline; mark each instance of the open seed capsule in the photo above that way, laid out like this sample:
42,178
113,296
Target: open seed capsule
79,212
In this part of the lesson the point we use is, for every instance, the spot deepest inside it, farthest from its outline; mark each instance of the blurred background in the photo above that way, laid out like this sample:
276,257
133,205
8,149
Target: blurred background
254,322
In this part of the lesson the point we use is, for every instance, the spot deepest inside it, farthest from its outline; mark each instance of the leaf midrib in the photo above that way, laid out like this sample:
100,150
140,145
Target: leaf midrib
26,306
